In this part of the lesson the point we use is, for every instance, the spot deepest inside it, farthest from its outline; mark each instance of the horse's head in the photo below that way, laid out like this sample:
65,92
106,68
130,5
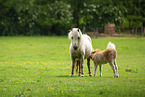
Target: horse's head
75,36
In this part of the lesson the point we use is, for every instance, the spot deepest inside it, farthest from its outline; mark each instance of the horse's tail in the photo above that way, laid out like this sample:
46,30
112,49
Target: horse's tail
89,39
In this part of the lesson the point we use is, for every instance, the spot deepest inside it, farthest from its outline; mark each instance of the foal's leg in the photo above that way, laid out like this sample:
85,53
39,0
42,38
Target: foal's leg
88,63
73,64
100,67
116,68
113,68
95,69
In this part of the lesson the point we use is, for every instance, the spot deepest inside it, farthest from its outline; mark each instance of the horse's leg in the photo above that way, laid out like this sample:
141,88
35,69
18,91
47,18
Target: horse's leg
88,63
73,64
81,66
78,64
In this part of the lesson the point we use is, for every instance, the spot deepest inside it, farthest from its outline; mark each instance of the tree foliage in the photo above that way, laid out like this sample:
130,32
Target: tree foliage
48,17
30,17
135,12
19,18
99,13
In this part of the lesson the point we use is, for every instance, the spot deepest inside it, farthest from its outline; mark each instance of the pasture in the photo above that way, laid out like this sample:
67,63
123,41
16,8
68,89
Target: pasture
40,67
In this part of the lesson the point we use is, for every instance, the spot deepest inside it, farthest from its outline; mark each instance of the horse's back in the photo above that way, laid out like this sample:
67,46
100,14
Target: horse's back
87,43
86,37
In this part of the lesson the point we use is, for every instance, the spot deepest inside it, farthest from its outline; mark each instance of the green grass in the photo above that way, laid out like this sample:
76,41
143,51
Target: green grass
40,67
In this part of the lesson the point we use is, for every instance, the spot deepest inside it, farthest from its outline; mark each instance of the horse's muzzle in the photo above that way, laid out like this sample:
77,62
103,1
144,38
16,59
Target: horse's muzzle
75,47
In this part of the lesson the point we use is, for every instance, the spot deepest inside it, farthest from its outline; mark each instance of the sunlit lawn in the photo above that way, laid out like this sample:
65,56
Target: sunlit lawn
40,67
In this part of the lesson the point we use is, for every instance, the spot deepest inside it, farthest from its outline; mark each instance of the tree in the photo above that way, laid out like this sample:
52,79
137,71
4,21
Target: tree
46,17
135,12
142,7
77,6
33,17
58,17
98,13
19,17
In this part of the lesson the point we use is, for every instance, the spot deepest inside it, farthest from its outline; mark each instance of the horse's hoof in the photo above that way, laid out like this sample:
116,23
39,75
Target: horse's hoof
114,76
93,75
81,75
70,75
90,75
117,76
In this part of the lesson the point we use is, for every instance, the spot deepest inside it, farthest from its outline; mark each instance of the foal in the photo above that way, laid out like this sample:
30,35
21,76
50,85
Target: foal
102,57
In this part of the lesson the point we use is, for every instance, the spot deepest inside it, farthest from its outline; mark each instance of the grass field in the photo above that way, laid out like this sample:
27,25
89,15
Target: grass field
40,67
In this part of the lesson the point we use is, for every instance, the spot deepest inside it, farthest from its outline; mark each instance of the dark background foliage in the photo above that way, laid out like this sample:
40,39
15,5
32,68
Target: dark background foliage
56,17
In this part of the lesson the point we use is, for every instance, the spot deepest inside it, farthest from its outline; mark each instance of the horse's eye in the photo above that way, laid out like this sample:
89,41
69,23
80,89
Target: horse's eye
78,37
71,37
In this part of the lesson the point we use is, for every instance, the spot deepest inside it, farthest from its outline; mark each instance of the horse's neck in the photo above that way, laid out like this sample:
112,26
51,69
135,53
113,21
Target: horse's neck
81,43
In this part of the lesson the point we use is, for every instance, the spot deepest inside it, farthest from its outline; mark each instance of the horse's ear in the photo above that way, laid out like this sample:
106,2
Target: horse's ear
79,31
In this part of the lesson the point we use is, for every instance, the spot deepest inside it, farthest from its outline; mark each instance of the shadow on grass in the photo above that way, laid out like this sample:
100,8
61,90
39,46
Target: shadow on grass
83,77
67,76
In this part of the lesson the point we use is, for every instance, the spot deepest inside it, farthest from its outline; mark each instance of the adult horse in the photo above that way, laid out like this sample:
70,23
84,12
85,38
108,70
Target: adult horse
80,49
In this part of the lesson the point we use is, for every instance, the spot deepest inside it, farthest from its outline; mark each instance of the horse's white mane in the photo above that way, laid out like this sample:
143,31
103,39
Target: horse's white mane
69,35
